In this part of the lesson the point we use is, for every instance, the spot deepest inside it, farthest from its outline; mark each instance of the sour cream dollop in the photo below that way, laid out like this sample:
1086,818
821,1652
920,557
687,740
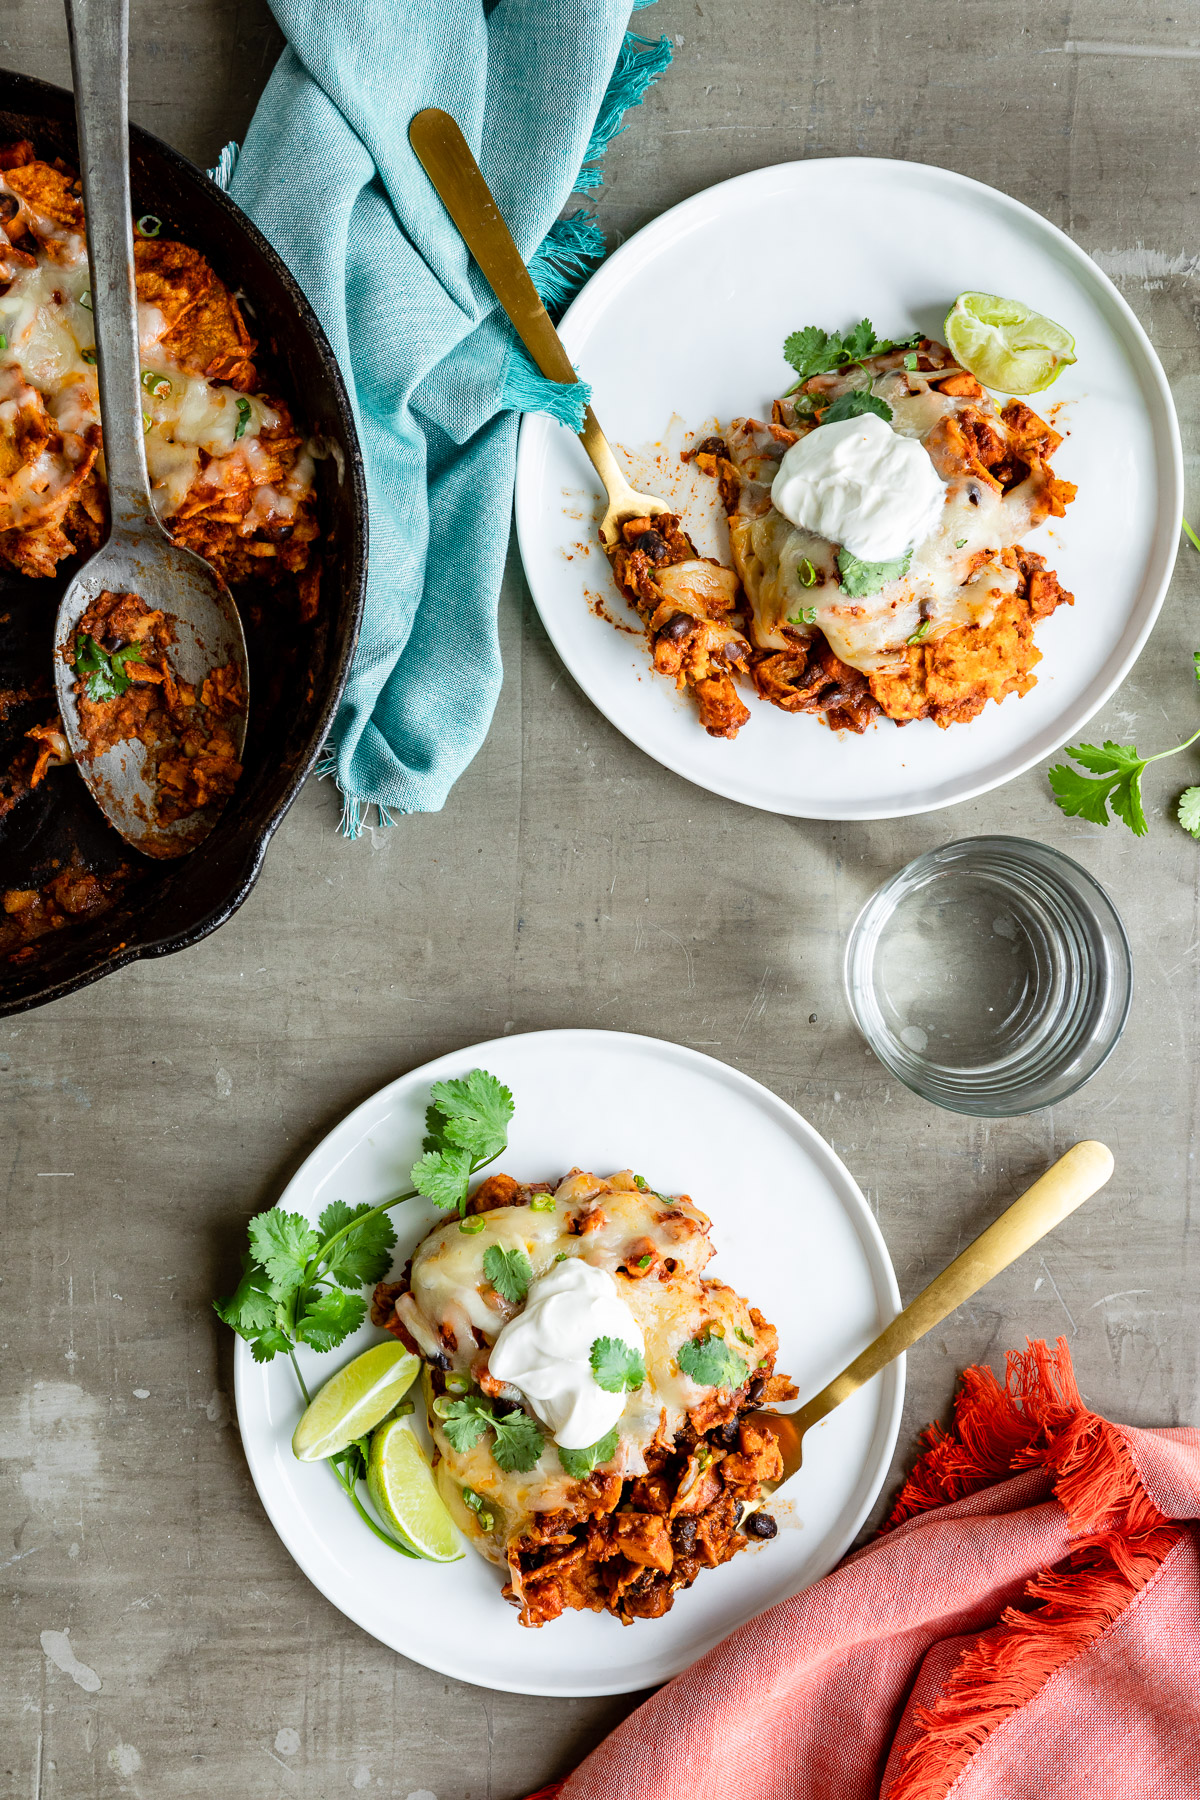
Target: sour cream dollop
860,484
545,1351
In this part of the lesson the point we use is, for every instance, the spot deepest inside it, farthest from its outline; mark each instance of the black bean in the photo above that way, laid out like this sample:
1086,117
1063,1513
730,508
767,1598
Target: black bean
754,1391
759,1525
677,627
684,1533
9,207
652,544
728,1432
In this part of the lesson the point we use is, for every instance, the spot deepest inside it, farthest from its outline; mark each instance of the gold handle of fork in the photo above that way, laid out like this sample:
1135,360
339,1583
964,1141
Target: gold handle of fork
444,154
1064,1186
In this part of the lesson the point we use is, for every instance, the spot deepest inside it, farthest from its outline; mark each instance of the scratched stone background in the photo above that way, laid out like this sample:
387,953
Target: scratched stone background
158,1640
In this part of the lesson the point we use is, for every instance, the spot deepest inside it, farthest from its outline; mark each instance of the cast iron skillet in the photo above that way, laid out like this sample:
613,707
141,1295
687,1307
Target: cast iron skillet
297,672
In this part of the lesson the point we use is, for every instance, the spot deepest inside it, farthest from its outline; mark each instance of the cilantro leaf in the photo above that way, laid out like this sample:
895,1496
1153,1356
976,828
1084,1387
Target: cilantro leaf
509,1271
330,1318
104,669
855,403
861,578
283,1243
463,1421
519,1442
251,1306
266,1345
616,1365
365,1253
1189,810
709,1362
579,1464
442,1176
476,1111
1116,781
816,352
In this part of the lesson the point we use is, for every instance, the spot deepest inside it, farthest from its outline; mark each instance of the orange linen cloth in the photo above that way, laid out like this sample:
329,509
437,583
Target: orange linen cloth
1026,1627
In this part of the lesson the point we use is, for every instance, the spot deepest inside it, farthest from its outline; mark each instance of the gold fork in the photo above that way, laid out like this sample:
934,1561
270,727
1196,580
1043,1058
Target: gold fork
445,155
1070,1181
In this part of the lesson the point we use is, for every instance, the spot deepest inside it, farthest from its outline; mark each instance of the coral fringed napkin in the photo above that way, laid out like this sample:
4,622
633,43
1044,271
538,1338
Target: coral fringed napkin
1026,1627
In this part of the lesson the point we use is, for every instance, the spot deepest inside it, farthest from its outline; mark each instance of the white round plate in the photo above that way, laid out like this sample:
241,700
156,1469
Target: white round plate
793,1234
681,330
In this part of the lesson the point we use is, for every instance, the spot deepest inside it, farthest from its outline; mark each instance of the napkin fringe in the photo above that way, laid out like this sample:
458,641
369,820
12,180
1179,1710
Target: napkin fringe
640,63
1119,1540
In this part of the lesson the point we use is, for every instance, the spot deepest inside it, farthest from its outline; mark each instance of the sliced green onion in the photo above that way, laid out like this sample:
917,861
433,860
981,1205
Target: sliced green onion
156,384
806,572
89,356
148,226
806,616
644,1261
457,1382
3,341
959,542
147,422
921,633
910,361
472,1226
85,299
542,1203
243,413
639,1181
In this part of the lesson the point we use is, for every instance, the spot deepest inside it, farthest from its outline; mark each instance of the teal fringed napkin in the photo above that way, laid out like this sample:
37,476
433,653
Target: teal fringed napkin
435,376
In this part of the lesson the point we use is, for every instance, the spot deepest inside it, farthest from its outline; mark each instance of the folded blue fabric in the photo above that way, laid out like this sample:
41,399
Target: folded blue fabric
434,373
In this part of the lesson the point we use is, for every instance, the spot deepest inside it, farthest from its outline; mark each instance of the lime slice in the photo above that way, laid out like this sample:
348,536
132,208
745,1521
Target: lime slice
400,1482
1006,345
354,1400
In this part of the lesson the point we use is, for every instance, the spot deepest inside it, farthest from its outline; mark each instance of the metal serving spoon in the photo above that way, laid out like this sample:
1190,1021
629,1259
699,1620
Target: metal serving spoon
1070,1181
446,158
138,557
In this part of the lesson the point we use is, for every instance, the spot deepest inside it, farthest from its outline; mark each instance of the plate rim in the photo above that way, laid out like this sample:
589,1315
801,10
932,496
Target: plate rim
537,427
892,1379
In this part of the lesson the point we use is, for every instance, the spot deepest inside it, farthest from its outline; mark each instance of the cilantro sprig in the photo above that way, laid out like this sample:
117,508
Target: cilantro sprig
854,404
816,352
1114,780
104,670
617,1367
708,1361
300,1282
518,1439
509,1271
579,1464
861,578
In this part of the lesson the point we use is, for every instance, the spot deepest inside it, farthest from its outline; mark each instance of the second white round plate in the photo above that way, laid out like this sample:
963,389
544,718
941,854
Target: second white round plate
682,330
793,1234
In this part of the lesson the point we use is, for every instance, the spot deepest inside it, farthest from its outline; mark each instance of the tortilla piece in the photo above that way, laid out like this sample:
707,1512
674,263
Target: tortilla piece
171,277
47,193
211,339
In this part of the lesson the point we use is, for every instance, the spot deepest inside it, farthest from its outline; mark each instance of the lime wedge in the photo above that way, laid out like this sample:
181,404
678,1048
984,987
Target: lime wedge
1006,345
353,1401
400,1482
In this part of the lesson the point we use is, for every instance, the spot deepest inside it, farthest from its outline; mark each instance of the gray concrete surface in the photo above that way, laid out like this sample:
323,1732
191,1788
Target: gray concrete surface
568,881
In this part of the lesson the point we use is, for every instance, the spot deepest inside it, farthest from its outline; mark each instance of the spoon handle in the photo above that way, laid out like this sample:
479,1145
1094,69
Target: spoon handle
99,36
1064,1186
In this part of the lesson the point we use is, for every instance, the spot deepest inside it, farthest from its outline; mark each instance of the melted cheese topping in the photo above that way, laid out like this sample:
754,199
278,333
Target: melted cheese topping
608,1224
51,350
791,575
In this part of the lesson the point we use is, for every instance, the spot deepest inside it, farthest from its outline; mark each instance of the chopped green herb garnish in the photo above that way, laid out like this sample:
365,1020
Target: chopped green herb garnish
640,1182
542,1203
148,226
509,1271
806,616
910,361
474,1225
156,384
616,1365
920,634
579,1464
243,414
709,1362
458,1382
466,1128
561,1257
959,543
104,669
806,573
743,1336
3,341
859,579
89,357
475,1503
147,422
85,299
852,405
816,352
